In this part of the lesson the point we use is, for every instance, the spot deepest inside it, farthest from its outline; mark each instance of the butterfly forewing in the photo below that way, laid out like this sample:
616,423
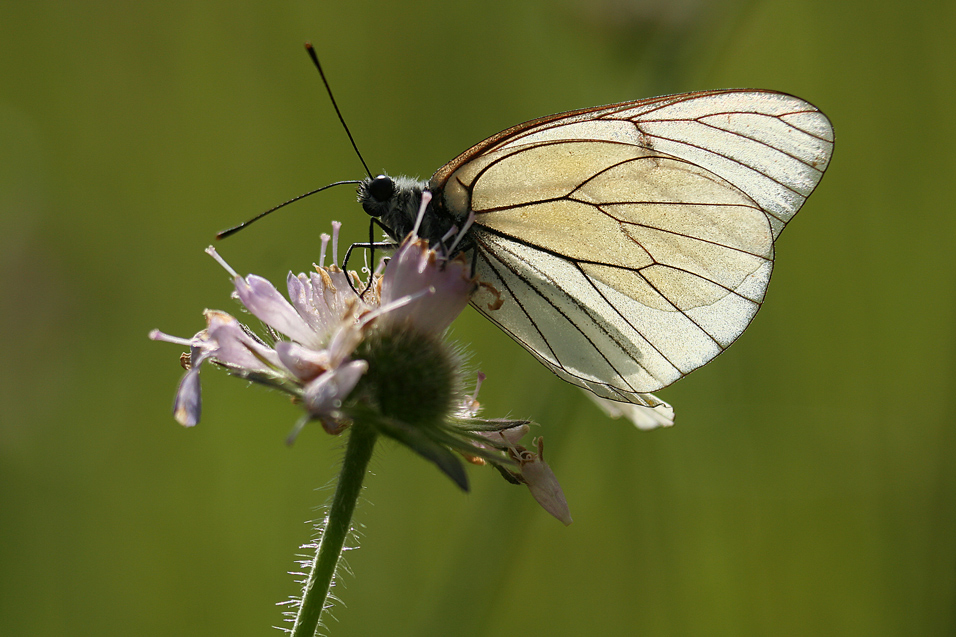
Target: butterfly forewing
627,245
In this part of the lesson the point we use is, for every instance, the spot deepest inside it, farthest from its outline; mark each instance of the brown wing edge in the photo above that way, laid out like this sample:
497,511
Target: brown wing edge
441,175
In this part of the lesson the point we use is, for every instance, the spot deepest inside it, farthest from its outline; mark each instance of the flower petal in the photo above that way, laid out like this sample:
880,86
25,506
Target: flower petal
234,347
306,364
300,293
511,436
414,269
187,406
344,341
263,300
325,394
544,485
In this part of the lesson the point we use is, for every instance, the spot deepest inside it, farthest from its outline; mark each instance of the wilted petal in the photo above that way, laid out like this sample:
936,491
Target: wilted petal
655,413
187,406
543,485
325,394
510,436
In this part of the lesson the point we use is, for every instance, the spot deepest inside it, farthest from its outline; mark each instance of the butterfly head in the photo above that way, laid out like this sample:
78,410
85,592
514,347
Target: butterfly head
395,201
375,194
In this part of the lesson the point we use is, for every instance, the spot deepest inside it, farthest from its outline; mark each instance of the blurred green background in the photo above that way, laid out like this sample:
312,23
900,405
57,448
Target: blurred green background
807,488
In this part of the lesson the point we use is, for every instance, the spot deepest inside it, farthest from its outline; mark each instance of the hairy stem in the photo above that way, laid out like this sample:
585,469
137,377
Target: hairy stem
357,455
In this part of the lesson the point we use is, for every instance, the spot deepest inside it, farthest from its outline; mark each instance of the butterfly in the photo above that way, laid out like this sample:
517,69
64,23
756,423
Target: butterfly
624,246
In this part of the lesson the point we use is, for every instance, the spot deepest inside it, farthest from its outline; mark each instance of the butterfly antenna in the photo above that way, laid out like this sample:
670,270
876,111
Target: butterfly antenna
235,229
315,61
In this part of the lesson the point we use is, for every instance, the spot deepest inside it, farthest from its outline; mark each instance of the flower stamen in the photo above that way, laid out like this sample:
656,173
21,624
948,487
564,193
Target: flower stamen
156,335
325,244
464,229
336,226
211,251
426,198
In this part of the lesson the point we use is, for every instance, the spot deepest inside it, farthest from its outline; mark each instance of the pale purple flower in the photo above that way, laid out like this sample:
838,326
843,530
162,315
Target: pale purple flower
320,326
323,323
321,340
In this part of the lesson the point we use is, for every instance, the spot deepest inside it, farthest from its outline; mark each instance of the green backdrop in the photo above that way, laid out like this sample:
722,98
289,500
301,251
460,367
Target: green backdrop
806,489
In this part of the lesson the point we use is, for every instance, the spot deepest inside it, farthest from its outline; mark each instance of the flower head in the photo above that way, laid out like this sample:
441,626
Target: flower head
348,349
322,326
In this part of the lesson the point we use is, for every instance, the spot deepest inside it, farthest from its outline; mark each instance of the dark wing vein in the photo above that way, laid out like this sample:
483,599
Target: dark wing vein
727,157
759,141
485,253
577,265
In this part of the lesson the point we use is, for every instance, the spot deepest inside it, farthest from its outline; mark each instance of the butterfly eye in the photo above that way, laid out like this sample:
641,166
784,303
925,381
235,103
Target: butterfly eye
381,188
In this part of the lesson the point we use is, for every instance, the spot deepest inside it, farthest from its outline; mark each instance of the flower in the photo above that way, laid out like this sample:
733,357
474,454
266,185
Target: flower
324,324
349,350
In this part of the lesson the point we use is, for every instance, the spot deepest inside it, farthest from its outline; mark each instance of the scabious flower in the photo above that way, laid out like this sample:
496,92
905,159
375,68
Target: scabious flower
373,350
323,325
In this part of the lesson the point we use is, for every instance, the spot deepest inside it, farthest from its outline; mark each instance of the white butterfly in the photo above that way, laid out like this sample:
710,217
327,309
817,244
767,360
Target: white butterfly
624,246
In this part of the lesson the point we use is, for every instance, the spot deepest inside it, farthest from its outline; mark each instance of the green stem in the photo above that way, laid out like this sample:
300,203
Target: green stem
337,526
